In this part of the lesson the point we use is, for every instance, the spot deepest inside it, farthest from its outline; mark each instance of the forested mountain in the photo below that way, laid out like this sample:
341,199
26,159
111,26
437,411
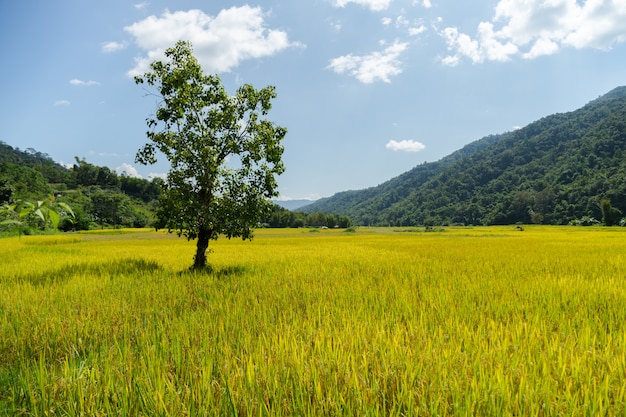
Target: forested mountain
552,171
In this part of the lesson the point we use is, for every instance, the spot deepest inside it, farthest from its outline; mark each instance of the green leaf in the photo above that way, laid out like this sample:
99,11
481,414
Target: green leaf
54,218
67,208
40,214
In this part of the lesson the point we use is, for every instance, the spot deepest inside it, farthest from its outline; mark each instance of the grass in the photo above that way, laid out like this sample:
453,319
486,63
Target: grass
466,321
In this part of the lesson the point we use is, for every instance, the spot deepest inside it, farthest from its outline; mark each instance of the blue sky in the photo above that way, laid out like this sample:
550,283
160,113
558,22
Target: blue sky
367,89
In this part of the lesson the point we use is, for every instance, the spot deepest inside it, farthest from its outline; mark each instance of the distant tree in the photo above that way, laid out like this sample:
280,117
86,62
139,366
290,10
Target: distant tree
85,173
116,209
140,188
24,182
6,190
610,215
317,219
223,153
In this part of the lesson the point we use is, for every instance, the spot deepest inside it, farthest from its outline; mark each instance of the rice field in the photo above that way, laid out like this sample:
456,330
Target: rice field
390,322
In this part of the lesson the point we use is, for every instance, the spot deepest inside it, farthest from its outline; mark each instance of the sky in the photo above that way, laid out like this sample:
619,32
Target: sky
367,89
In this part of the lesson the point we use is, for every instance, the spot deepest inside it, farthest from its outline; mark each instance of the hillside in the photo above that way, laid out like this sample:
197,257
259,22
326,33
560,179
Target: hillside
552,171
292,204
98,196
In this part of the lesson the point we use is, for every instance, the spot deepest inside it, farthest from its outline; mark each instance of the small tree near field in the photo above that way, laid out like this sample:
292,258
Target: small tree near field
223,153
610,215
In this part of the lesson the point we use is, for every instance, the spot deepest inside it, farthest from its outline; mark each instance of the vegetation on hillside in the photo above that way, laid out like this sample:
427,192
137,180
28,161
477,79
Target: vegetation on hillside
554,171
97,196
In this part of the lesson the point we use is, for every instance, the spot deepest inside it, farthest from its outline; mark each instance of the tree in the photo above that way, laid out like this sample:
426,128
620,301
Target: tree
113,208
223,153
610,215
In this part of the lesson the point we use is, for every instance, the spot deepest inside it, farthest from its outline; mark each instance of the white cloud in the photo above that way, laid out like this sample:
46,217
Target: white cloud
89,83
336,25
542,47
311,197
533,28
128,170
109,47
386,21
374,5
427,4
154,175
220,42
418,30
141,6
401,21
450,61
372,67
405,146
60,103
105,154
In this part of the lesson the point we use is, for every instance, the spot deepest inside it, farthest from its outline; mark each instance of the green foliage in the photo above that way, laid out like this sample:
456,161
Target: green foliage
19,181
223,154
6,190
86,174
97,195
116,209
584,221
35,160
281,217
611,216
41,215
552,171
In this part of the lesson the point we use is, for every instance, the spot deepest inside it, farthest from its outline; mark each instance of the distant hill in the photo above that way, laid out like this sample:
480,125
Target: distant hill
40,162
293,204
552,171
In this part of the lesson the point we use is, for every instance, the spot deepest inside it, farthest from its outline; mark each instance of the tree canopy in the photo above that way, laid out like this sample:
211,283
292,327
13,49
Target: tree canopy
223,153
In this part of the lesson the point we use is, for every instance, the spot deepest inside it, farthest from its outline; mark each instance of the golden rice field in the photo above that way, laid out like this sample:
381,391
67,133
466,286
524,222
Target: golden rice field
390,322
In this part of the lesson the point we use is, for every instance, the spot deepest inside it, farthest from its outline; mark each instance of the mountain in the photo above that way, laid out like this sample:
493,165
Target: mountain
293,204
552,171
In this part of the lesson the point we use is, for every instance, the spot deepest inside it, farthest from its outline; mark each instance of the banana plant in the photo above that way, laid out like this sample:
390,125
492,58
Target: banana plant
48,211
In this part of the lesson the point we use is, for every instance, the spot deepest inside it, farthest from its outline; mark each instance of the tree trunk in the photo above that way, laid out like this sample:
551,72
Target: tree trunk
201,248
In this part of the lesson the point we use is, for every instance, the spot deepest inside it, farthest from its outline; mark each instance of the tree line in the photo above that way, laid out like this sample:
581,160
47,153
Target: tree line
98,197
281,218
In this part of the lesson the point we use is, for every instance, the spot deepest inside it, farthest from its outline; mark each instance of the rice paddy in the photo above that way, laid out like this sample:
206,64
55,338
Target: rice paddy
456,322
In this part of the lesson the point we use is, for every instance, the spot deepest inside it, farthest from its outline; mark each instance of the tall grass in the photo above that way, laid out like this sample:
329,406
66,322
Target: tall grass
482,321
